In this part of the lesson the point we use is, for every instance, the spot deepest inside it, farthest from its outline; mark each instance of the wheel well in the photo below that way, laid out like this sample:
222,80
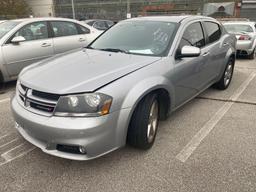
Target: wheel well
1,77
233,58
164,102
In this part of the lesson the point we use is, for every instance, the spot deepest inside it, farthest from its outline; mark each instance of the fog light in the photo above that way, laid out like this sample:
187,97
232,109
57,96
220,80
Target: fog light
82,149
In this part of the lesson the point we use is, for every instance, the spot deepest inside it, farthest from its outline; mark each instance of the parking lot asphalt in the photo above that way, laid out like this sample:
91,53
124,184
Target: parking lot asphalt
207,145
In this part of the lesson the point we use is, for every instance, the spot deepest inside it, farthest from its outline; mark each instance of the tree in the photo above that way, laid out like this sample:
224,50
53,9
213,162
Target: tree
11,9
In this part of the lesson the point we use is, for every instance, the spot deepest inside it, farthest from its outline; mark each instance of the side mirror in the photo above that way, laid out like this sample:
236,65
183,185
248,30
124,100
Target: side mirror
18,39
189,51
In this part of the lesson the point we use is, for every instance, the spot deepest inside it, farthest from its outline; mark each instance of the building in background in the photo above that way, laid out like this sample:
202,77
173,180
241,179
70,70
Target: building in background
41,8
248,9
121,9
118,9
223,9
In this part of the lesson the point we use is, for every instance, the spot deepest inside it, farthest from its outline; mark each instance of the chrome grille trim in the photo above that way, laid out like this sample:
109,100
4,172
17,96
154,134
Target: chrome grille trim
35,104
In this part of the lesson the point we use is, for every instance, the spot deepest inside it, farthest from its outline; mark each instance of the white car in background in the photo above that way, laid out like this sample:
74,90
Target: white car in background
26,41
245,32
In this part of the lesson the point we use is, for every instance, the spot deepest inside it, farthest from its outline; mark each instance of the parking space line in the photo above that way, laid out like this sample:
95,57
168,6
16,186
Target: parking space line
1,137
6,154
187,151
5,100
9,159
9,142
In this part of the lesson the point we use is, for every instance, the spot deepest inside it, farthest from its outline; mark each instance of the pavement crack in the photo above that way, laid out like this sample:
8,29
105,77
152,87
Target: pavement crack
228,100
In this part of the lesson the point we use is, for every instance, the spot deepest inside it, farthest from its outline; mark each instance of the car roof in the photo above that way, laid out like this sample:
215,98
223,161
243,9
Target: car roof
42,19
90,20
239,22
174,18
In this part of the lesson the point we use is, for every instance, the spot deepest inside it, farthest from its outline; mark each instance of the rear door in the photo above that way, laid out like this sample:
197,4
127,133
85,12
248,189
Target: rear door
216,48
37,46
68,35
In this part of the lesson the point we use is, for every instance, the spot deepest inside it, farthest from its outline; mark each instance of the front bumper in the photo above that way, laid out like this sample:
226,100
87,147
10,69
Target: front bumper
244,46
99,135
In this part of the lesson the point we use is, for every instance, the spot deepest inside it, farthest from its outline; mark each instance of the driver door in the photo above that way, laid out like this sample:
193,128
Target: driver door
37,46
190,77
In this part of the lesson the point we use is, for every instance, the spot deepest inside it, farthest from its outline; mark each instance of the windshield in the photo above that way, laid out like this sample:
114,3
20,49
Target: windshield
6,26
238,28
137,37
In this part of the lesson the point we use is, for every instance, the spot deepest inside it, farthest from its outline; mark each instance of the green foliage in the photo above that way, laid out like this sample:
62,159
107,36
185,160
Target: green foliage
10,9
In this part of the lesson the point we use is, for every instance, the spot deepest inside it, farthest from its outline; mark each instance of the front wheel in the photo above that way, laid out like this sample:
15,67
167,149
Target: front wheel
226,78
144,123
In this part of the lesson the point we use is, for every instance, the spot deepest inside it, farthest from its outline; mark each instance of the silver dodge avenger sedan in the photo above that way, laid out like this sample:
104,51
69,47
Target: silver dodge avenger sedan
87,103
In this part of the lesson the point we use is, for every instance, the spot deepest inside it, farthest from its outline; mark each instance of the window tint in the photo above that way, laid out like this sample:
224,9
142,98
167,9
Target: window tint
33,31
193,36
213,31
83,30
62,28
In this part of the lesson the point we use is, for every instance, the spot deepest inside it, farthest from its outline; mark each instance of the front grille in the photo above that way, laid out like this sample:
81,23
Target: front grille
49,96
37,101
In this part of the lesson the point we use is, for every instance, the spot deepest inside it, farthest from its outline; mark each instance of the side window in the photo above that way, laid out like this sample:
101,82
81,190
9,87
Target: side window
213,30
193,36
33,31
63,28
83,30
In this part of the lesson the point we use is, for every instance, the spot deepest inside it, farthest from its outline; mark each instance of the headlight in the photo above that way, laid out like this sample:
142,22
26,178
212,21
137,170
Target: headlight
84,105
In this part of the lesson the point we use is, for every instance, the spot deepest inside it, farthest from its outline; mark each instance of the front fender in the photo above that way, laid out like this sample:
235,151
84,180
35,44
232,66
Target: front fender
146,86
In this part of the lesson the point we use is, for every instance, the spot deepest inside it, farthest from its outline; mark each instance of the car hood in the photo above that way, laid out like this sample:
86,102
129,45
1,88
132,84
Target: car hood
81,71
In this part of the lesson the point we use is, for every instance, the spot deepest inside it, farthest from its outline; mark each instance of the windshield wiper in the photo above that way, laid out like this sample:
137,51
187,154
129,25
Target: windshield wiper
115,50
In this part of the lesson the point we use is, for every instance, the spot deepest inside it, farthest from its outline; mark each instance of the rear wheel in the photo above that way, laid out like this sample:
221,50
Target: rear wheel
226,78
144,123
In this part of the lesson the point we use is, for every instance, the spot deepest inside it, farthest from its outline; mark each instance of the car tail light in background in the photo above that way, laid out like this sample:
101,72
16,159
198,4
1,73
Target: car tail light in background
244,37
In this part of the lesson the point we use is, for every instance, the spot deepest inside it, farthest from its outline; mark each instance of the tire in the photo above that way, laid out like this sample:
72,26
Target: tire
1,83
226,78
252,55
144,123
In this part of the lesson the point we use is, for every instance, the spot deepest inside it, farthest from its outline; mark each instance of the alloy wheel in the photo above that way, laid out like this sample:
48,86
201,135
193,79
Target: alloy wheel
152,122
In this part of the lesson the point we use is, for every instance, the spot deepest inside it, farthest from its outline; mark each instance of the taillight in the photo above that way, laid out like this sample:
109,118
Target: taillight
244,37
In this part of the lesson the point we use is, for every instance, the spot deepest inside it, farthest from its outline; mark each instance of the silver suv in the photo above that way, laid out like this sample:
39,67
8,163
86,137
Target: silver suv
90,102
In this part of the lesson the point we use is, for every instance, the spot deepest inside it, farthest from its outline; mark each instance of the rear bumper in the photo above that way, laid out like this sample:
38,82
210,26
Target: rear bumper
99,135
244,47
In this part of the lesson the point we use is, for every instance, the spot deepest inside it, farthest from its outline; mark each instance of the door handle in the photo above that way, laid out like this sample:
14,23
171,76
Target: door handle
81,39
205,54
46,45
225,44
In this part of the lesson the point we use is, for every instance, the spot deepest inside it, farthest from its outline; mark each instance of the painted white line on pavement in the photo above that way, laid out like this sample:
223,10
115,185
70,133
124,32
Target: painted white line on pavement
5,100
187,151
1,137
7,156
9,159
9,142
